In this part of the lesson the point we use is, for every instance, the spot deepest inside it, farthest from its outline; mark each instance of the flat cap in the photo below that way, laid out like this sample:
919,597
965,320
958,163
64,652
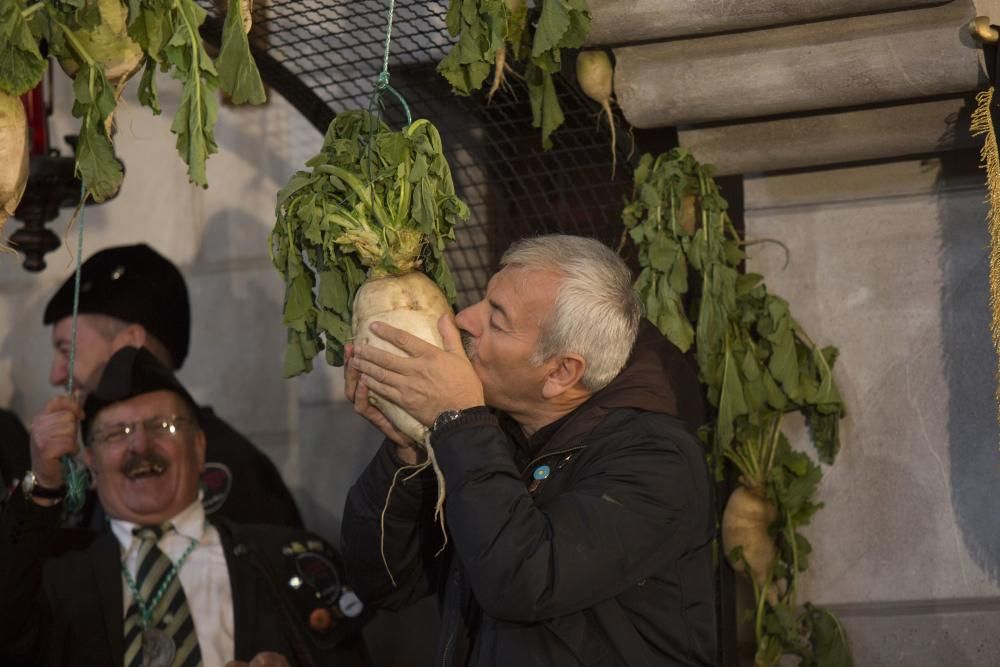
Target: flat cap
136,284
131,372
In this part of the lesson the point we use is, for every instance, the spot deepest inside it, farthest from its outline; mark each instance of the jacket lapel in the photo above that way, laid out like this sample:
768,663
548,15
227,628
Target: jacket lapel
244,587
105,558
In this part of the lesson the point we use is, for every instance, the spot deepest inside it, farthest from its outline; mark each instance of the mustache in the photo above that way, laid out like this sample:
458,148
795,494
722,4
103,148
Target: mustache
467,344
137,461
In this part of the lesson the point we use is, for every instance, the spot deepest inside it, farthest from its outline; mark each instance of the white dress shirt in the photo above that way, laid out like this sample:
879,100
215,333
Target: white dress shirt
204,578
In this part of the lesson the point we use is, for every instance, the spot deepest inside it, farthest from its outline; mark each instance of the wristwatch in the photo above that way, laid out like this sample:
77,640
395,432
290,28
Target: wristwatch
32,489
445,417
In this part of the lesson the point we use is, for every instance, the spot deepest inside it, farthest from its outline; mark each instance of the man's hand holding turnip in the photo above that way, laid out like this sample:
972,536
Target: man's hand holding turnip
426,383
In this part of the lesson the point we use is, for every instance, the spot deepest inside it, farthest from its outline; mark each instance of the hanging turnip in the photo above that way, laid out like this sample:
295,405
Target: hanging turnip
595,75
14,150
360,237
745,523
493,34
108,44
747,538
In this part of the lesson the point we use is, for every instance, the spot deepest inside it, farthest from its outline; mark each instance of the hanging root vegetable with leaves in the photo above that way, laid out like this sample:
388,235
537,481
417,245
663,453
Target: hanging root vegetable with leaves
756,363
361,237
107,44
595,75
13,156
494,33
101,43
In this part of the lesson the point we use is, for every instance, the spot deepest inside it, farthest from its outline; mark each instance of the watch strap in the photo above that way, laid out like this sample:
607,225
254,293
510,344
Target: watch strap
32,489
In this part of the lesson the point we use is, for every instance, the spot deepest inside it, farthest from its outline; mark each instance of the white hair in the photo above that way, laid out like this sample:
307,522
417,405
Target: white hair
596,312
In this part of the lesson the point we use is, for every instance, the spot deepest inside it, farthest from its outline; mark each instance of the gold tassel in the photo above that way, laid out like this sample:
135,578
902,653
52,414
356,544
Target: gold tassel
982,123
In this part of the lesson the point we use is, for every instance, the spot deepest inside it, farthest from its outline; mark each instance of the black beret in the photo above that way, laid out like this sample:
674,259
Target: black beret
131,372
136,284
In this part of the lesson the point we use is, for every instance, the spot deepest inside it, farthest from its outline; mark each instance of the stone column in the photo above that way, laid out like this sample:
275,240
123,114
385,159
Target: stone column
828,64
833,138
622,21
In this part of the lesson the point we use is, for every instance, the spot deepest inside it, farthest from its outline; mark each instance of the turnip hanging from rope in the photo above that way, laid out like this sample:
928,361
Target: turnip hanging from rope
360,236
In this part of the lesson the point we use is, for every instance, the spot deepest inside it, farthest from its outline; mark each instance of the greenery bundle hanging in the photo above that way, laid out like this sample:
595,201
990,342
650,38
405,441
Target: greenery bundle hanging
757,364
102,43
493,33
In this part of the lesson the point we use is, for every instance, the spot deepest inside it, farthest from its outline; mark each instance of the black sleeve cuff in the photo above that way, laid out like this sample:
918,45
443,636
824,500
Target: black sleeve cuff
470,417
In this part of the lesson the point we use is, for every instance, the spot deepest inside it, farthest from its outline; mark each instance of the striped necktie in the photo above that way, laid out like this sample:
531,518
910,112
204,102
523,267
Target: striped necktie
170,613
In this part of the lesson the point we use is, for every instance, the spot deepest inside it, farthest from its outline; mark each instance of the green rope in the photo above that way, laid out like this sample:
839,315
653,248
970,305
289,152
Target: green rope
74,473
382,83
382,86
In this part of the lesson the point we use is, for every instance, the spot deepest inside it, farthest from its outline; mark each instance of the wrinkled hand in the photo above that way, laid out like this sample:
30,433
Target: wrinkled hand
426,383
54,434
265,659
357,393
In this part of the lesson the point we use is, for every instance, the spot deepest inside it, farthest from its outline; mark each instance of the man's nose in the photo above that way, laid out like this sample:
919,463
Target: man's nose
57,373
466,320
137,439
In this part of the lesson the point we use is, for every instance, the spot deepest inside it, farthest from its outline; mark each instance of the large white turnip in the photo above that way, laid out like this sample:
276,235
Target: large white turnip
14,151
411,302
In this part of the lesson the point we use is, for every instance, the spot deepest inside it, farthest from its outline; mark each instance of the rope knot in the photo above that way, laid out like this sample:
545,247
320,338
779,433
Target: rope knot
383,80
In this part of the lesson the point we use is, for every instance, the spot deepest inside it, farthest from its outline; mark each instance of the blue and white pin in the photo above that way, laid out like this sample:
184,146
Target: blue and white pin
541,472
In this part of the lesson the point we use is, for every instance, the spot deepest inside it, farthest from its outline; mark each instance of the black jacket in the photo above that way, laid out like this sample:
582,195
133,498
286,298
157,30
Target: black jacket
61,594
589,544
254,491
15,455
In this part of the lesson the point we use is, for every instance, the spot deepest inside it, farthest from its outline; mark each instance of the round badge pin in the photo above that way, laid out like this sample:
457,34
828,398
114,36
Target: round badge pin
541,472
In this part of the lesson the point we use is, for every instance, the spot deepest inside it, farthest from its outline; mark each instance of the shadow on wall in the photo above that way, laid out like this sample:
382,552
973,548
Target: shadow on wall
25,351
969,363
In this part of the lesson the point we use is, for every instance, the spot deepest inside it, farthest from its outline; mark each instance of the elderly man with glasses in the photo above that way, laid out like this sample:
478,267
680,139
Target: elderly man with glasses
162,585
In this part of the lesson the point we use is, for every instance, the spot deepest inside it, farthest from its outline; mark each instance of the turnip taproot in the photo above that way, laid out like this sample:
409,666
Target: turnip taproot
14,149
516,17
595,75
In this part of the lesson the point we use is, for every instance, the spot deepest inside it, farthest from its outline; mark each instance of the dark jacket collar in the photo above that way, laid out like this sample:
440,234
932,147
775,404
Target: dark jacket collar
657,378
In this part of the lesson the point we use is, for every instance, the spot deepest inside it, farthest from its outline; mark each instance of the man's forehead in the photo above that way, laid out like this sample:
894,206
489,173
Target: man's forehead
520,277
62,331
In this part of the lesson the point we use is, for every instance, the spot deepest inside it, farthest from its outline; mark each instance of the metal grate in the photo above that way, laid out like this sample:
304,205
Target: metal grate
324,57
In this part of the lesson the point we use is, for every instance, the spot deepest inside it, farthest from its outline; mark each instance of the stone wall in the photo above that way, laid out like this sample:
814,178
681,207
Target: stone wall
889,263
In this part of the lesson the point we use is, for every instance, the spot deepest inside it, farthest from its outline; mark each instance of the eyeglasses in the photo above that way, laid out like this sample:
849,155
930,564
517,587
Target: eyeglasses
157,428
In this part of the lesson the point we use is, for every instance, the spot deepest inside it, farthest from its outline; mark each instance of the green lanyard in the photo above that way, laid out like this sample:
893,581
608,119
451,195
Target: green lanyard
146,609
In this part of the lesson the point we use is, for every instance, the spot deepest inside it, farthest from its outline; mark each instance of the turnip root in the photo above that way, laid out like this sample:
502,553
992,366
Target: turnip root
14,151
246,13
595,76
411,302
498,72
745,524
516,17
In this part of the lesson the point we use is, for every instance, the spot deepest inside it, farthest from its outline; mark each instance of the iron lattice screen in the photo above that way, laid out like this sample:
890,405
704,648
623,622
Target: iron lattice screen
324,57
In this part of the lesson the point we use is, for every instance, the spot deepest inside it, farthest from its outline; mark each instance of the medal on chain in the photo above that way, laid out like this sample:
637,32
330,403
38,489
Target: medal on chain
158,648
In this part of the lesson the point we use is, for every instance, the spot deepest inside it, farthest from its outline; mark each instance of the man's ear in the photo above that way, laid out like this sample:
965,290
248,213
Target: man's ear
564,375
134,335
